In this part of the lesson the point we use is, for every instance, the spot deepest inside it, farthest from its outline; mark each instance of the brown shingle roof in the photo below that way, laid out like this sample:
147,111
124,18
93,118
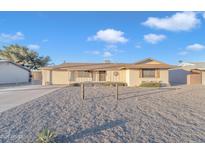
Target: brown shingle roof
106,66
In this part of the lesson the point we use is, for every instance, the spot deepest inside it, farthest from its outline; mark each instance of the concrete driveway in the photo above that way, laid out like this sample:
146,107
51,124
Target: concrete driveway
13,96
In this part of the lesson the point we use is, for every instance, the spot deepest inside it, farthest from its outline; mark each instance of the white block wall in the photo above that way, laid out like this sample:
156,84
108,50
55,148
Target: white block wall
10,73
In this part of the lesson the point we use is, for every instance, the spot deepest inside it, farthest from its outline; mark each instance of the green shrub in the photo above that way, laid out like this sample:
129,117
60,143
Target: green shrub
91,84
46,136
150,84
75,84
113,84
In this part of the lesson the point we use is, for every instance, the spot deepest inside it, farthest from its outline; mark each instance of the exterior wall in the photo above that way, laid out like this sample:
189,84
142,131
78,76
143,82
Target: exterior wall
36,77
193,79
119,78
10,73
59,77
72,77
188,79
133,77
203,78
46,77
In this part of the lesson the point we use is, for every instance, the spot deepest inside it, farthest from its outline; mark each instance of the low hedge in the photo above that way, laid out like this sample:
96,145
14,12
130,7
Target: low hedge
91,84
150,84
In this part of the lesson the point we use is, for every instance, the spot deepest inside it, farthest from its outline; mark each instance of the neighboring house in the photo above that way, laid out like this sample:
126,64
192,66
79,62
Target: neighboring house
13,73
133,74
178,76
191,72
197,75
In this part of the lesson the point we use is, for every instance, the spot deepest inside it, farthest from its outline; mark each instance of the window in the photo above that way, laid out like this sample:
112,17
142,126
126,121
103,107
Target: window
148,73
83,74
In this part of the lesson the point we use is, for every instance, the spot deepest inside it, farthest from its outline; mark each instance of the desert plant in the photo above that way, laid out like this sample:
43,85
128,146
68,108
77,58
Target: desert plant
150,84
46,136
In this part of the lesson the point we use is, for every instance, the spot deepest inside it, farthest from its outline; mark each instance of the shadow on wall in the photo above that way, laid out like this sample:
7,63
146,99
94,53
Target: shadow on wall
178,77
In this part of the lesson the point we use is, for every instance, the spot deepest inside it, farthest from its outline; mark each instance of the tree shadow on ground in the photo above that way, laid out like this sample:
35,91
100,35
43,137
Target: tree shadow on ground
65,138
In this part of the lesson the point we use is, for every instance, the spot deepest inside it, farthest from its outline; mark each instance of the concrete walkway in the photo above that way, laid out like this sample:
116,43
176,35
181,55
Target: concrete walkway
13,96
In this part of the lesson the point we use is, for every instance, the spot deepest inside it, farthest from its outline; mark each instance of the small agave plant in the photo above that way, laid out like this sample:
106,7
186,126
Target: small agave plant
46,136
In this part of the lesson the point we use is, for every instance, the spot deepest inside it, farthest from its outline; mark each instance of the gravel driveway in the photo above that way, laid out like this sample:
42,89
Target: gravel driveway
140,115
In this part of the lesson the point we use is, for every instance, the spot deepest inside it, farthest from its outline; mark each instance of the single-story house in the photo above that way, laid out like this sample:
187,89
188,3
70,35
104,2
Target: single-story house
132,74
13,73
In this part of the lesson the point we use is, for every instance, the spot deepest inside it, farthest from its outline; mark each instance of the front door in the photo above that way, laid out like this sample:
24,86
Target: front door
102,75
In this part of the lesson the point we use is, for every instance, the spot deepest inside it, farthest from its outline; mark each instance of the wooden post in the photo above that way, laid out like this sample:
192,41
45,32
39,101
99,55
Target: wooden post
82,91
116,95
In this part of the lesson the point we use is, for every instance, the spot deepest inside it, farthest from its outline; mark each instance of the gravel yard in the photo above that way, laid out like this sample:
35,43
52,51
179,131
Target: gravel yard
140,115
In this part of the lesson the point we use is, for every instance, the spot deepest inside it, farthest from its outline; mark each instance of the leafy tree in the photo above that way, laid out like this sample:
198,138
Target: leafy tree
24,56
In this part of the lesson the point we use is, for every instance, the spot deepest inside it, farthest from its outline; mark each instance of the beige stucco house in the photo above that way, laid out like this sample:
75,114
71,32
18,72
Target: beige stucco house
132,74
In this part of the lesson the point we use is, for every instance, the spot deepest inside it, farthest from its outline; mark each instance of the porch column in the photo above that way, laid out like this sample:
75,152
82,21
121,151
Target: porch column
50,77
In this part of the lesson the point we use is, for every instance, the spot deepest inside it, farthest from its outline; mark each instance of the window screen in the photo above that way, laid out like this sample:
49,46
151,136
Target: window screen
83,74
148,73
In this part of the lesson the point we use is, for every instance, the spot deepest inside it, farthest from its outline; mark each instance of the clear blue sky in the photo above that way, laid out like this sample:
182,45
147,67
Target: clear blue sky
117,36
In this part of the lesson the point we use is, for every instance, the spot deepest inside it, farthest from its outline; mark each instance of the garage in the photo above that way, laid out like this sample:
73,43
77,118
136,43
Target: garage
197,76
13,73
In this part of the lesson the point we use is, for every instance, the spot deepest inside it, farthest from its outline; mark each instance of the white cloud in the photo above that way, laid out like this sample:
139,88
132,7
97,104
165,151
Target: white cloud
33,46
109,36
11,37
191,48
107,54
181,21
154,38
195,47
